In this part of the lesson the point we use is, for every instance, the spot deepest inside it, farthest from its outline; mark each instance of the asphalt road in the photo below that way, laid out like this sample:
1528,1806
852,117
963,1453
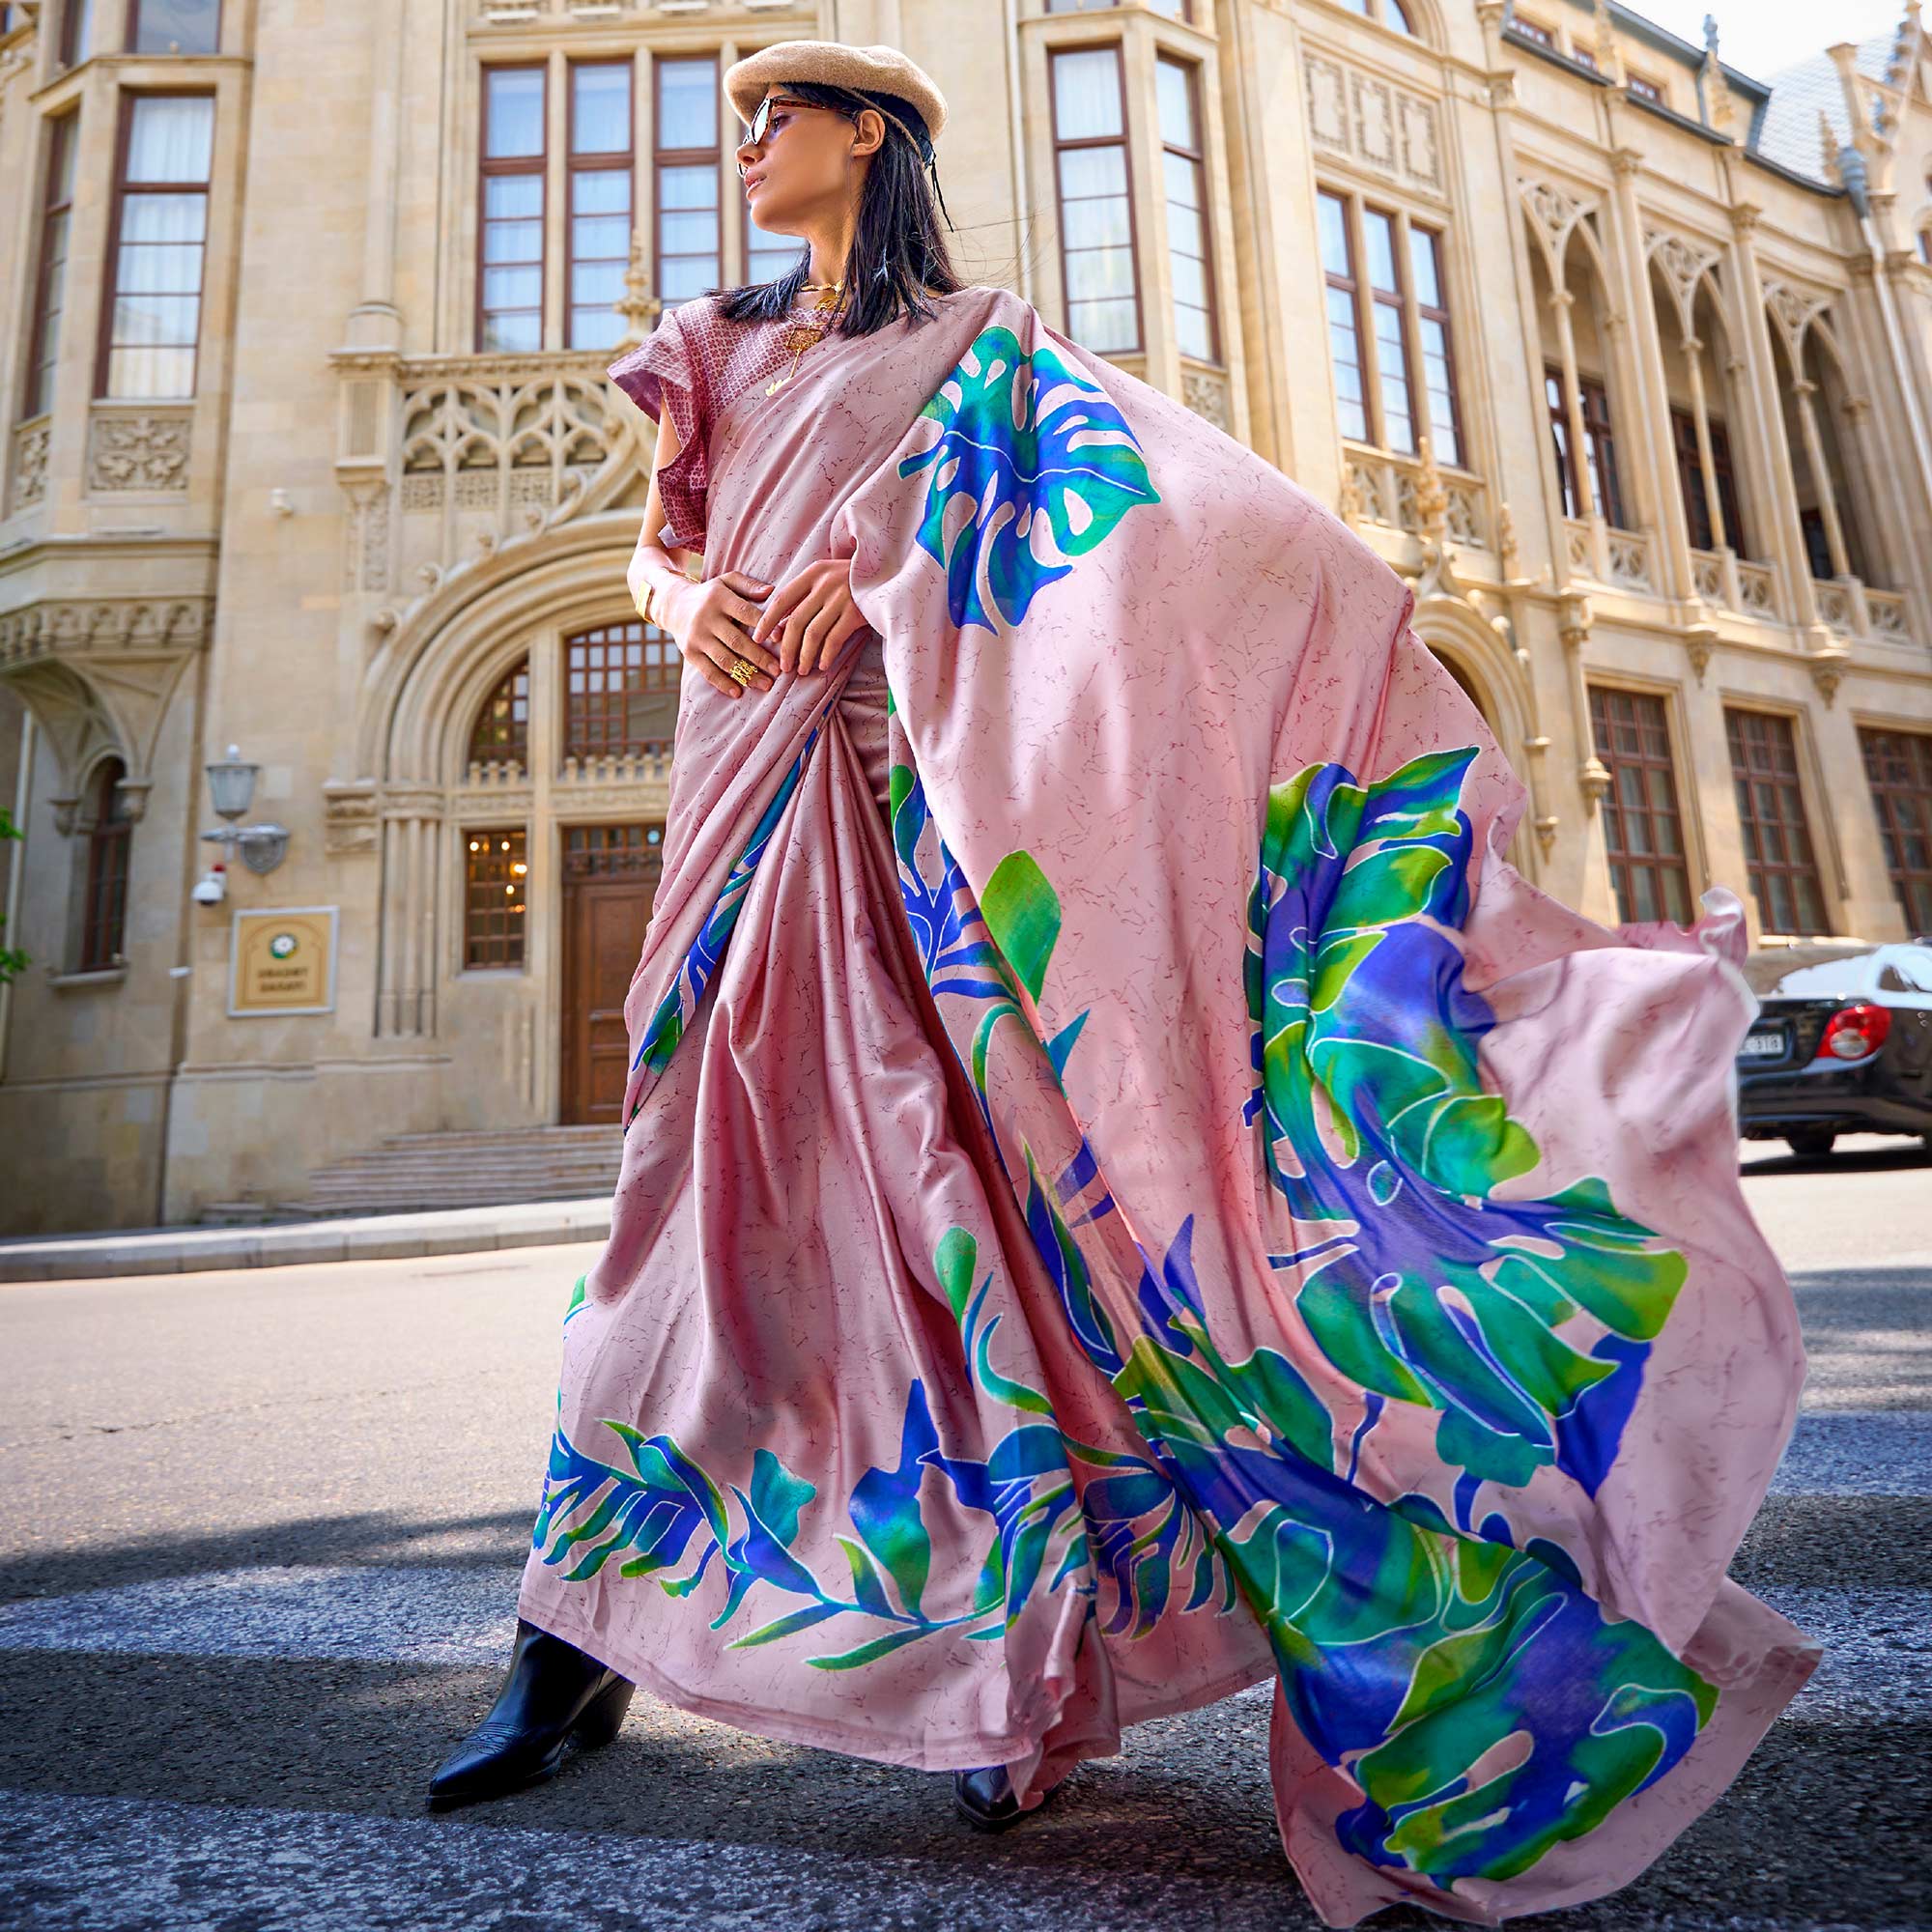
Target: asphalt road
257,1572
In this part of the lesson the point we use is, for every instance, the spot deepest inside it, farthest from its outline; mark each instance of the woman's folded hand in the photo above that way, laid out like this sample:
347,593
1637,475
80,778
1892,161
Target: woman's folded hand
712,622
811,615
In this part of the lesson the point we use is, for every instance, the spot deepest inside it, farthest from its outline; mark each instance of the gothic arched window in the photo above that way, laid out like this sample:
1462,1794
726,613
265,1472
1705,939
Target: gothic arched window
109,829
503,728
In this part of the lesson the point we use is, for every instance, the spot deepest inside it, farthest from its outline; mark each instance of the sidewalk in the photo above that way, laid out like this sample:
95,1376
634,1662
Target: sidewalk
445,1231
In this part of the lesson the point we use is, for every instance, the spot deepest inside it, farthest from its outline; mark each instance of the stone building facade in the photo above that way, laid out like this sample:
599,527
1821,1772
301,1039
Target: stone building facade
1623,357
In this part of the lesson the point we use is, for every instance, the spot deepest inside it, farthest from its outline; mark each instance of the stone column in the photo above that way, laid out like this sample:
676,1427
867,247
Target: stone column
376,322
1777,485
1707,461
1561,300
1806,393
407,970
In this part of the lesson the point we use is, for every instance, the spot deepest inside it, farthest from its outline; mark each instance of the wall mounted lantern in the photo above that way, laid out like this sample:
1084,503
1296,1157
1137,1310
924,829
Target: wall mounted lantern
230,784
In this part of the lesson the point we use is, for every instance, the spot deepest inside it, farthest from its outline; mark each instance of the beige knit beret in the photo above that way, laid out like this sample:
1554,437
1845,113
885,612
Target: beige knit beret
832,64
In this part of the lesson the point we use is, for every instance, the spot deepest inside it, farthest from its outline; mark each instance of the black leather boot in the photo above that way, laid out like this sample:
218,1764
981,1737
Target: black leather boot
554,1692
985,1799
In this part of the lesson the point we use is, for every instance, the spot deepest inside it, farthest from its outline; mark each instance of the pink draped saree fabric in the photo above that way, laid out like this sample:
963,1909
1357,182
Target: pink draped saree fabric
1147,1198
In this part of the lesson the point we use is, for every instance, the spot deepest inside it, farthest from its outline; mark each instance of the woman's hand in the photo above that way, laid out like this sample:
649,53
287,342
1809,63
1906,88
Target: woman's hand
811,615
711,623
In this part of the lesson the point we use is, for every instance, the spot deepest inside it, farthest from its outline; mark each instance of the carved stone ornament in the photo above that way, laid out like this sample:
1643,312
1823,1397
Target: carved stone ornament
99,676
30,463
350,825
145,450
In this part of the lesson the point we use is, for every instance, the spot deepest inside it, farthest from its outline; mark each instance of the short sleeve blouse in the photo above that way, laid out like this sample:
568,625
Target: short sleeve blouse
696,364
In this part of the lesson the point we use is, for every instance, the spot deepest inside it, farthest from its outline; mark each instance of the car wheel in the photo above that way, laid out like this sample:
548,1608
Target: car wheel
1812,1145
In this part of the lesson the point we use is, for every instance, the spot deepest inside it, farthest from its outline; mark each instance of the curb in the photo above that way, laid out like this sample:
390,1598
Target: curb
455,1231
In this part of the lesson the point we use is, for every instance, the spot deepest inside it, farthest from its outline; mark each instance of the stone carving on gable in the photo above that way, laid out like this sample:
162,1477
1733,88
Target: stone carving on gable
99,674
1384,127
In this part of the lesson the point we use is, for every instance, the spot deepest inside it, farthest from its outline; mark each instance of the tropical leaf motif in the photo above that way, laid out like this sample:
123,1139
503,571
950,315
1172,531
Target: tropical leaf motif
1474,1691
1032,463
673,1011
1526,1324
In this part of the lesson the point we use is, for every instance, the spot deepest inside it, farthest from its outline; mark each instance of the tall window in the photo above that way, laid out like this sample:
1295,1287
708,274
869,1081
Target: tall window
1778,858
1386,302
1097,218
174,26
1605,489
76,31
105,914
1385,307
1184,176
1899,765
689,162
1344,323
496,874
51,291
620,692
1691,480
151,319
1643,829
510,277
600,201
1438,355
503,728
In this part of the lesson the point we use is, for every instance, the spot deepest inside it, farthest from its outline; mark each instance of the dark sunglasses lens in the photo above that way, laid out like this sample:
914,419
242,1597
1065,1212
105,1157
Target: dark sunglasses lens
761,119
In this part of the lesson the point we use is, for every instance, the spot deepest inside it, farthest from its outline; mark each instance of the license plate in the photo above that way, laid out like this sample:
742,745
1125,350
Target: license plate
1763,1046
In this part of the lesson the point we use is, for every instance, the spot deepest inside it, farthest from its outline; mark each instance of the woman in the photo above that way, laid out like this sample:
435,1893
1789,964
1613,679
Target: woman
1126,1192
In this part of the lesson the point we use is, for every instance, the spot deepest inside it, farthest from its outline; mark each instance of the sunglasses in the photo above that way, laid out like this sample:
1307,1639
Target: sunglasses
761,121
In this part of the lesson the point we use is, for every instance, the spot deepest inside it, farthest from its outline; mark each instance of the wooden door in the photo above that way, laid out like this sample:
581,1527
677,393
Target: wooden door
609,880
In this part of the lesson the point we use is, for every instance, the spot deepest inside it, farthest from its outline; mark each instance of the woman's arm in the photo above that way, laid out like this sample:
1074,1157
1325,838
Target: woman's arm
711,620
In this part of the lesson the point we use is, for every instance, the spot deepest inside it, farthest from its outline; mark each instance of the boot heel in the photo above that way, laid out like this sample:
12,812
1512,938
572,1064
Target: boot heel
604,1716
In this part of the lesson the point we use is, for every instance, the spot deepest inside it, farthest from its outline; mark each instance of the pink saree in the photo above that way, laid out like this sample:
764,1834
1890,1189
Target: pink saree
1127,1194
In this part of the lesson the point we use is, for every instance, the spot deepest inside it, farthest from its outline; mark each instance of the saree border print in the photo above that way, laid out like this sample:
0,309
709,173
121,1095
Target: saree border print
1471,1691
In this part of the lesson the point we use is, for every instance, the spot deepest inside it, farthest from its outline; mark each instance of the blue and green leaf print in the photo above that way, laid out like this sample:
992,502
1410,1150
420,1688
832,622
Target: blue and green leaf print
1025,440
1526,1324
680,1001
1473,1691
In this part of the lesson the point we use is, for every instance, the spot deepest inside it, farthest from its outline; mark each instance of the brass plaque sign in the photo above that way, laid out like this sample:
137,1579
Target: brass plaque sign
282,961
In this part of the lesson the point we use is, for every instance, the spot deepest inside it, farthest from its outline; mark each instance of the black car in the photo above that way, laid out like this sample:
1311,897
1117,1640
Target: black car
1843,1044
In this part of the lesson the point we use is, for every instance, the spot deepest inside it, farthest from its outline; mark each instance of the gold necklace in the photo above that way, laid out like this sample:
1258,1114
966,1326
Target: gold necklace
802,335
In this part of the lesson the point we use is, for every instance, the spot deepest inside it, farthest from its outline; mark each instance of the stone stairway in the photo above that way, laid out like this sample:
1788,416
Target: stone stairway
478,1168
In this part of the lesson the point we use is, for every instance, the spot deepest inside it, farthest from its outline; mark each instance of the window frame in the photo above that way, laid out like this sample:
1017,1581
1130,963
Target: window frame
489,168
1691,480
1356,205
69,51
63,132
133,29
124,135
1123,141
1197,159
661,156
110,837
612,161
1885,796
1613,804
1445,319
517,844
1601,432
1757,872
660,667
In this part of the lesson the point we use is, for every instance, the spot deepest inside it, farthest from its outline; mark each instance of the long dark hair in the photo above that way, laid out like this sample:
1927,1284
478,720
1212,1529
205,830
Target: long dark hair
897,249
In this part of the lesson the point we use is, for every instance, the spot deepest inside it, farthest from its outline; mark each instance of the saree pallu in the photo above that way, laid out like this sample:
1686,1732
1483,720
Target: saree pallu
1154,1201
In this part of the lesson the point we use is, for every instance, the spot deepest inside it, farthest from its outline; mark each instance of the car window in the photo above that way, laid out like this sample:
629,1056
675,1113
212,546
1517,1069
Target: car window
1776,977
1908,969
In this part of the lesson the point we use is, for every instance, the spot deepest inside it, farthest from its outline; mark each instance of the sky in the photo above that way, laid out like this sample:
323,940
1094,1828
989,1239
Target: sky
1759,37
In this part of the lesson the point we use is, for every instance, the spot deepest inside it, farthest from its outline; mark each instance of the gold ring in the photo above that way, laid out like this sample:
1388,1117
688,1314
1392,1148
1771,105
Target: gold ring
743,670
